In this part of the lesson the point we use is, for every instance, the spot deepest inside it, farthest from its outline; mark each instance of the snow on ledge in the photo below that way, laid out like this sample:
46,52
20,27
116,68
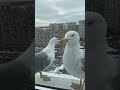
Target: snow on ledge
57,80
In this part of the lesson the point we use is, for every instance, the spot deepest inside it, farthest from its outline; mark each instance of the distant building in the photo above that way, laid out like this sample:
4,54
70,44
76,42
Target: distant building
43,36
57,26
71,25
58,30
53,26
62,26
82,29
44,28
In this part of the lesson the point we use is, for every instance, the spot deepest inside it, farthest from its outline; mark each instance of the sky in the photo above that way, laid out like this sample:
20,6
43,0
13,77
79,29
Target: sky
58,11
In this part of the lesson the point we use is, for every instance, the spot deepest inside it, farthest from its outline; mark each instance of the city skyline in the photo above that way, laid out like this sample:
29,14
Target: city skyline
77,23
57,11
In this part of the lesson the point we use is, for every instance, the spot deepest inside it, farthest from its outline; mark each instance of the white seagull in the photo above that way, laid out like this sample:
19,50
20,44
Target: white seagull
46,57
73,57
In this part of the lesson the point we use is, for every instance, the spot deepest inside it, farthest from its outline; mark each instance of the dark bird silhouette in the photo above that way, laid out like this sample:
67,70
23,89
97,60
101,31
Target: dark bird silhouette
101,68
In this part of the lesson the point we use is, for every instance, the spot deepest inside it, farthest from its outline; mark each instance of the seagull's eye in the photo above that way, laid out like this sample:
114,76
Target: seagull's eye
72,35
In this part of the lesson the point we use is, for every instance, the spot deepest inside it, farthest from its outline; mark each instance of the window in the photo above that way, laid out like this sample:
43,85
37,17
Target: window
45,17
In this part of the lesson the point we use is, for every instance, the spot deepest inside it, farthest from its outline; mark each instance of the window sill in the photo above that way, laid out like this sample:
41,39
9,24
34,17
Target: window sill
63,81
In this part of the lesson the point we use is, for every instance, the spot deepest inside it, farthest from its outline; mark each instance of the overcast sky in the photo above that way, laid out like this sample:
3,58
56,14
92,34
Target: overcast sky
58,11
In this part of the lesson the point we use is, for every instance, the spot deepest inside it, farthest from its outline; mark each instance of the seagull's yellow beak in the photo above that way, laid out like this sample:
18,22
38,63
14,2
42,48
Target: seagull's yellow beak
63,40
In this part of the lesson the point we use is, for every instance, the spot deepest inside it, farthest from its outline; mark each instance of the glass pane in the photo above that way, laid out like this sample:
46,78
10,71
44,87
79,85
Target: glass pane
54,20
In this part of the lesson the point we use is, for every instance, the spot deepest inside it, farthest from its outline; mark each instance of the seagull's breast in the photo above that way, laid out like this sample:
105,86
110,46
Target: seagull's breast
72,61
50,52
51,56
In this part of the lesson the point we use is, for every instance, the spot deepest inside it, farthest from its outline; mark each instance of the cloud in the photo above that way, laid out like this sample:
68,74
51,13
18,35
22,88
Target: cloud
57,11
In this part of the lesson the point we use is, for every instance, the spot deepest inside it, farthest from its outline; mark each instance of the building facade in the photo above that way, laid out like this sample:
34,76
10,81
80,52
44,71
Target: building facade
42,37
62,26
82,29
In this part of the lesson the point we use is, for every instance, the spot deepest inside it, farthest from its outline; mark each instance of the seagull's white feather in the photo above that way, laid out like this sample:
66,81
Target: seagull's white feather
73,55
46,55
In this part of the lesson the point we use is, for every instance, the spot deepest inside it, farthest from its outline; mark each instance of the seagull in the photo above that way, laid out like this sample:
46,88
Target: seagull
102,66
73,57
45,58
61,68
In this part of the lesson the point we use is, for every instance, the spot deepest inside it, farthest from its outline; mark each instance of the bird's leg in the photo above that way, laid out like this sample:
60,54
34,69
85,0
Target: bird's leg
45,77
41,75
82,83
57,70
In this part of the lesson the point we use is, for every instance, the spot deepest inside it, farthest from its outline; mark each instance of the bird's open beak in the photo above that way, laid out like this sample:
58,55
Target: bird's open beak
63,40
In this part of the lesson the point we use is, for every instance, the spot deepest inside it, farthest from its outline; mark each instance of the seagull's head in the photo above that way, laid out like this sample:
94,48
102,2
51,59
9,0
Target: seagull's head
95,28
70,37
54,40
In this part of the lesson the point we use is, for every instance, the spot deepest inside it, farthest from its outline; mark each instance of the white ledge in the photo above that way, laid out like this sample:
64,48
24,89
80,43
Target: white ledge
57,80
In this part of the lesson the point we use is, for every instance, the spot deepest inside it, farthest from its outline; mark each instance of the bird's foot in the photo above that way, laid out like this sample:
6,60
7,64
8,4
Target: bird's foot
78,86
45,77
57,71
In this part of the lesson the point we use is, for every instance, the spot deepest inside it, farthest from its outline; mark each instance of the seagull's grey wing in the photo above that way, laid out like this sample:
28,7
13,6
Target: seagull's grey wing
41,61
